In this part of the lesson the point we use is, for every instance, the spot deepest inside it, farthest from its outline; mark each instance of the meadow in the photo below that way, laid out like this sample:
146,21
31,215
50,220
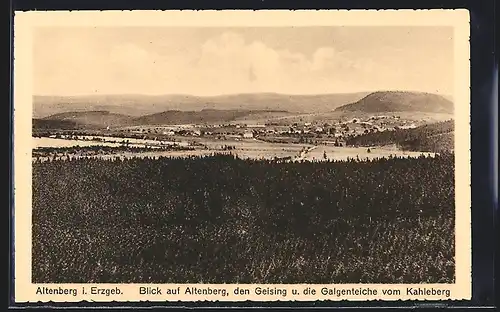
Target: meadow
109,148
222,219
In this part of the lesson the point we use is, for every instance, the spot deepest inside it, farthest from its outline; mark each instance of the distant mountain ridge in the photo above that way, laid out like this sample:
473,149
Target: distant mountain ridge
400,101
140,105
134,110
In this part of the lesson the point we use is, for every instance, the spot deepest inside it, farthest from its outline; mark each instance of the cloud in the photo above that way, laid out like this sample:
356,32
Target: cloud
227,60
224,64
323,58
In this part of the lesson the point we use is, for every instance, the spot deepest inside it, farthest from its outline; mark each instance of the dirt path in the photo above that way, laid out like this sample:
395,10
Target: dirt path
304,153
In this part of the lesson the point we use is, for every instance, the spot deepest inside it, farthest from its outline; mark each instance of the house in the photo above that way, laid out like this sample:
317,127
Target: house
248,134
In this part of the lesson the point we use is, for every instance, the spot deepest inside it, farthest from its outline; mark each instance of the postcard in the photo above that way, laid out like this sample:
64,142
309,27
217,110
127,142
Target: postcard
242,155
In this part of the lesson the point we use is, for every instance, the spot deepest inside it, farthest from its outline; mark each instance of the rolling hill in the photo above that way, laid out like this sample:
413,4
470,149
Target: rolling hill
195,117
140,105
93,118
396,101
46,124
103,119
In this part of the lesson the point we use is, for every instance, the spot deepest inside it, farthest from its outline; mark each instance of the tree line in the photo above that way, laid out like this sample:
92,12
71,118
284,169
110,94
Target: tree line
428,138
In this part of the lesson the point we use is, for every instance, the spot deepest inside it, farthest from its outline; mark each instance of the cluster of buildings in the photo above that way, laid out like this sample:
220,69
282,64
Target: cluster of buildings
338,129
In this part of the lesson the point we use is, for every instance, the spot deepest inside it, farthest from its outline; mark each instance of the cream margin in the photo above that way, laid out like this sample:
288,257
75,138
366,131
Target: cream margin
24,22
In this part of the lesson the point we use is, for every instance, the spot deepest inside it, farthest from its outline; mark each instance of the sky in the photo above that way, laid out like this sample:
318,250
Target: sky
213,61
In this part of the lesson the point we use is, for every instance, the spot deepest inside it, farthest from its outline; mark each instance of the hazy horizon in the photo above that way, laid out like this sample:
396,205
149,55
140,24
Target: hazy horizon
231,94
212,61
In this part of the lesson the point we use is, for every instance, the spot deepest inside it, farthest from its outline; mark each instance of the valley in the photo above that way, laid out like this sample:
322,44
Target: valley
377,125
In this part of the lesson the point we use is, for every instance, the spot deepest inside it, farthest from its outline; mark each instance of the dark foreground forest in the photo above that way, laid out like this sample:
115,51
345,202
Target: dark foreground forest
226,220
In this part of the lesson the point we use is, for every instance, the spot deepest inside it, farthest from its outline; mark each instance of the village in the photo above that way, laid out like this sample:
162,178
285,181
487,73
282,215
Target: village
294,141
296,132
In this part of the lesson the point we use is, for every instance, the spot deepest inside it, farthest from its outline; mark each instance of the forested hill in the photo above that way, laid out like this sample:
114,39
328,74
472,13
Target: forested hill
434,137
392,101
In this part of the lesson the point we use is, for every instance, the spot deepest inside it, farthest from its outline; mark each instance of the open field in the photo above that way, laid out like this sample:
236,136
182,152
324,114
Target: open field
344,153
100,140
243,148
53,142
226,220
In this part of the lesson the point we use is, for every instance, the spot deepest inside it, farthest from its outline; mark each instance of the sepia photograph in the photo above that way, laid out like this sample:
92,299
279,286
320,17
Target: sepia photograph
257,154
